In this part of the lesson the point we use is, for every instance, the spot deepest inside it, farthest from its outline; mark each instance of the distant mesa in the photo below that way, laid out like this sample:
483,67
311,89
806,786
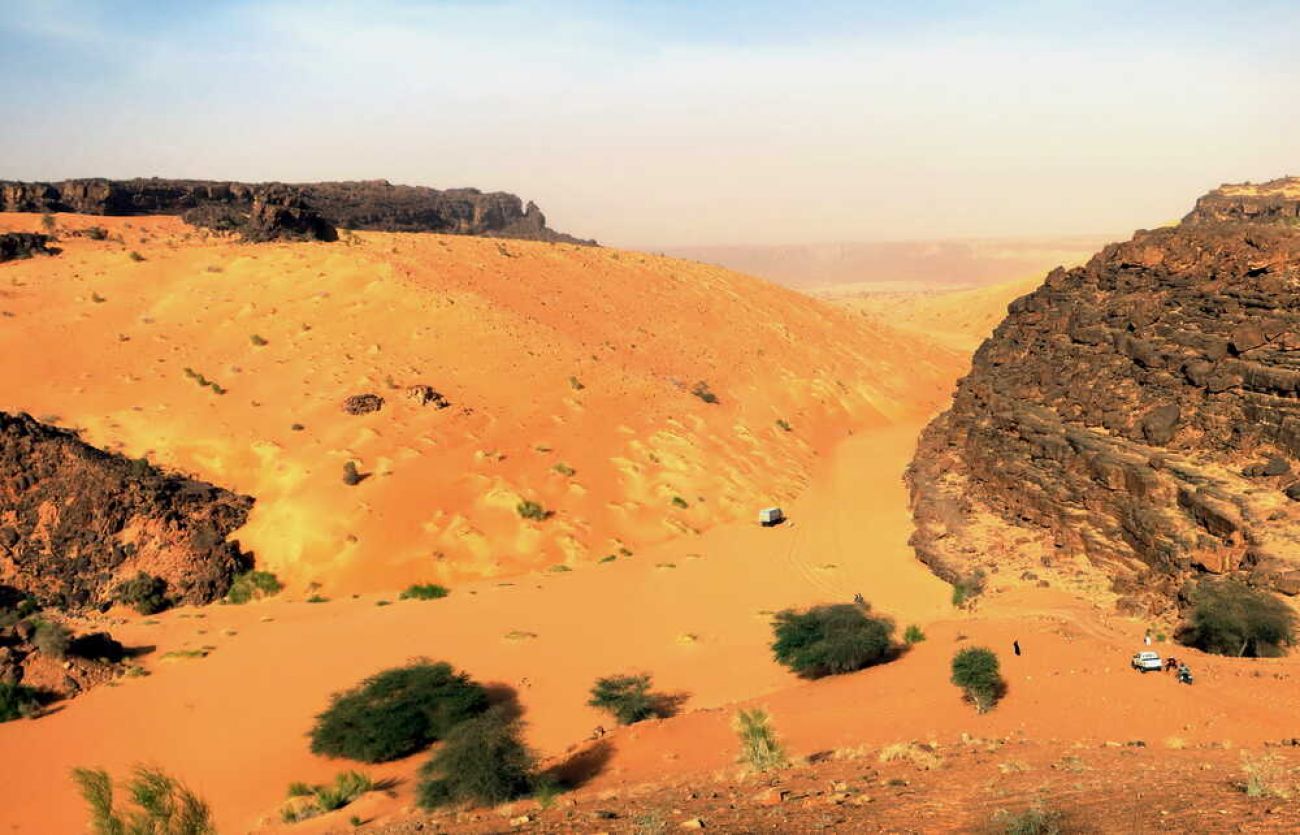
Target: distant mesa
292,211
1143,411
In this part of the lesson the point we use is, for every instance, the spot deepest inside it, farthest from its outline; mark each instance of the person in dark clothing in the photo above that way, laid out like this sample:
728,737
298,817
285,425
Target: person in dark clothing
1015,645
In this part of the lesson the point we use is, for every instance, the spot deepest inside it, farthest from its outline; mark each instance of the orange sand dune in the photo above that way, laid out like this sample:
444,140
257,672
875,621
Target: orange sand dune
568,370
696,614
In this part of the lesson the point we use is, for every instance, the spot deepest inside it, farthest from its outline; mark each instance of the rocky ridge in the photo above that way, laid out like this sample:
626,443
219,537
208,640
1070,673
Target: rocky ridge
295,211
76,521
1142,410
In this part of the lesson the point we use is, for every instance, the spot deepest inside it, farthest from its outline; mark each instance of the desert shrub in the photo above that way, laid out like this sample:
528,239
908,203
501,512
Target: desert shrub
679,502
628,698
258,341
397,712
967,588
1230,618
162,805
48,223
145,593
52,638
576,384
1265,776
827,640
784,425
425,591
975,670
351,476
346,788
702,391
1036,820
135,256
16,607
17,701
299,789
565,470
913,635
253,585
96,233
483,761
759,747
532,510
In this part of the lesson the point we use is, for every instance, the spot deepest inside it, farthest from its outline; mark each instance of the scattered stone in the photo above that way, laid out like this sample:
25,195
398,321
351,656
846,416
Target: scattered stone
363,404
425,396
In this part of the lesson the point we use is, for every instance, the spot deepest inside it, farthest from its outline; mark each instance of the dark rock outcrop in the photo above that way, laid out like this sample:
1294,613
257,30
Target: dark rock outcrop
15,245
265,211
76,521
1143,409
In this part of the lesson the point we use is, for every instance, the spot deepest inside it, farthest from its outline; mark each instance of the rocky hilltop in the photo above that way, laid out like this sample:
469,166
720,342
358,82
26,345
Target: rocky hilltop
263,211
1142,410
76,521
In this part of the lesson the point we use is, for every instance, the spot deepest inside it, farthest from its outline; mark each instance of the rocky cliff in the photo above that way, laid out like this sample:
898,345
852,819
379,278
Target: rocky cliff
76,521
282,210
1143,411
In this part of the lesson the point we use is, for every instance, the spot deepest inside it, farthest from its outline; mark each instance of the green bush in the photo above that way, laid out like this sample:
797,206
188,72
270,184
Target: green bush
163,806
702,391
1036,820
97,233
135,256
427,591
483,761
397,712
1230,618
967,588
827,640
18,701
975,670
532,510
346,788
628,698
253,585
913,635
52,639
759,747
145,593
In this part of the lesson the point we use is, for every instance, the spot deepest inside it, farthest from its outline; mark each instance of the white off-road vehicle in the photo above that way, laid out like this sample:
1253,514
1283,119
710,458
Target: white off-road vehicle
1147,662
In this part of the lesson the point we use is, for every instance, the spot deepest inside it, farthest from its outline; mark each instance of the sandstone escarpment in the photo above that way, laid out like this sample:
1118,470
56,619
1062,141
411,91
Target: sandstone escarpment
1144,410
312,211
76,521
15,245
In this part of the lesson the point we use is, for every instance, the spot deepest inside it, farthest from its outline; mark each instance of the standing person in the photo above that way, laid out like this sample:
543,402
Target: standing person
1015,645
1147,639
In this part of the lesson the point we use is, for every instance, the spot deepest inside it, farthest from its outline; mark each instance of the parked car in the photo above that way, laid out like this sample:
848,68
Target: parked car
1147,662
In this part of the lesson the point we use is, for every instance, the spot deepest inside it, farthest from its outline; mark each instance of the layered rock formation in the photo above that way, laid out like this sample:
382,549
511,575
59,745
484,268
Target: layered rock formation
15,245
263,211
1144,409
76,521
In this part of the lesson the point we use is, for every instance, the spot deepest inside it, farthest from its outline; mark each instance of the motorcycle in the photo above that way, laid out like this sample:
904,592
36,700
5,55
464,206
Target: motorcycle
1184,675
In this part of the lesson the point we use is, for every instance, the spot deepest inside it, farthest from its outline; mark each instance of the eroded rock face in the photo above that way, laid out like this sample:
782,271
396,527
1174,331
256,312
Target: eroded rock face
266,211
1144,409
15,245
76,521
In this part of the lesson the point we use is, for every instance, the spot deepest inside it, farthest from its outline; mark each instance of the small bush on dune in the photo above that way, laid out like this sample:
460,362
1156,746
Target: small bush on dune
628,698
162,805
144,593
346,788
17,702
759,747
532,510
1036,820
427,591
913,635
483,761
975,670
253,585
397,712
1230,618
96,233
968,588
827,640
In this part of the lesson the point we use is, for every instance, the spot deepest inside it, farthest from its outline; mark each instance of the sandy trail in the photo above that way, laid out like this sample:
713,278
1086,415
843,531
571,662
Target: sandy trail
694,613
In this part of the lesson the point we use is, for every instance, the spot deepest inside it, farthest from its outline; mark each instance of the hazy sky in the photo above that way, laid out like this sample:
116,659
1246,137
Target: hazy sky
661,123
